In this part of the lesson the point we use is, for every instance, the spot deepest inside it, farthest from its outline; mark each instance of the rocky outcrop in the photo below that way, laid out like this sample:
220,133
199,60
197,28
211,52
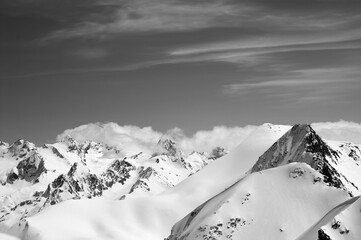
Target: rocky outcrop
21,148
322,235
77,183
28,169
218,152
144,174
353,150
119,171
54,150
72,144
170,148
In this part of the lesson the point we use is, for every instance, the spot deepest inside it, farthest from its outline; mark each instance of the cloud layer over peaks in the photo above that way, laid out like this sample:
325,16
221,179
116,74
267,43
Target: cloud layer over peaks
133,139
339,131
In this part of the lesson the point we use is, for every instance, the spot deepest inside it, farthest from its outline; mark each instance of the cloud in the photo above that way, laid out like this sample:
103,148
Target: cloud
149,15
91,53
219,136
253,51
130,139
332,85
119,16
133,139
274,43
339,131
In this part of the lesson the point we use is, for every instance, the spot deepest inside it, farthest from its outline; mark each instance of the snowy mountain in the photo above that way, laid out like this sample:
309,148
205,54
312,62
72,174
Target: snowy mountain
299,175
339,165
151,217
281,182
283,202
34,178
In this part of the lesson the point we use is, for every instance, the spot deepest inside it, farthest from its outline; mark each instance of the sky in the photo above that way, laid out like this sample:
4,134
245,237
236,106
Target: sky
187,64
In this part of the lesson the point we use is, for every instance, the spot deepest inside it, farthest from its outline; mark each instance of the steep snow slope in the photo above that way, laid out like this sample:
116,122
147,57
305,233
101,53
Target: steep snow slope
225,171
316,233
344,226
336,168
278,203
137,218
4,236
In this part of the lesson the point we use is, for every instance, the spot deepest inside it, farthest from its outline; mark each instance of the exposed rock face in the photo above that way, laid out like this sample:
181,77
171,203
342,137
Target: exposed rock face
119,171
21,148
90,145
77,183
302,144
322,235
28,169
56,151
218,152
73,145
12,176
144,174
354,151
171,148
4,144
140,183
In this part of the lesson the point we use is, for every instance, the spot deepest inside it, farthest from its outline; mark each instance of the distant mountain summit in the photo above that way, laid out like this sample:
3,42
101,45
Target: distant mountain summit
168,146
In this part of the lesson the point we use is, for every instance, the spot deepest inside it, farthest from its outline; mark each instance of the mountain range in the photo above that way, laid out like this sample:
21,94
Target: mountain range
281,182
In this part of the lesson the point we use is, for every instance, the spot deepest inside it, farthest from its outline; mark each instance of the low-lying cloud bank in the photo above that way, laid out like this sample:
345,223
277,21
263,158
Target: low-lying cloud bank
135,139
339,131
131,138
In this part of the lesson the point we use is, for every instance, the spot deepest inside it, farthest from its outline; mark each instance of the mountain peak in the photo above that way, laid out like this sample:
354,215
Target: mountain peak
70,141
301,144
170,147
21,148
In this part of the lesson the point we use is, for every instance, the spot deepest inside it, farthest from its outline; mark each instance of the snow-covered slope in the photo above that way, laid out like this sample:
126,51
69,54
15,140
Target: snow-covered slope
220,174
345,225
278,203
279,183
314,232
138,217
34,178
332,169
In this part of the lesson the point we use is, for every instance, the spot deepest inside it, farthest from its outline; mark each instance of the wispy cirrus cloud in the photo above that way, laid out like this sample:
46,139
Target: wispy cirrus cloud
91,53
342,40
130,16
249,53
313,85
150,16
